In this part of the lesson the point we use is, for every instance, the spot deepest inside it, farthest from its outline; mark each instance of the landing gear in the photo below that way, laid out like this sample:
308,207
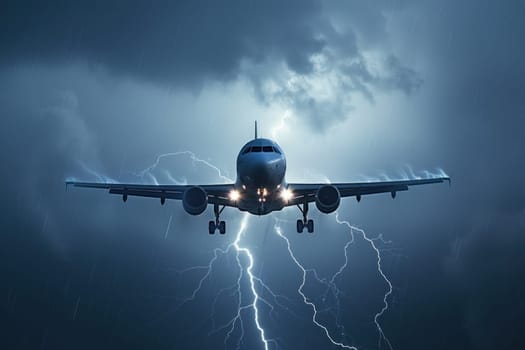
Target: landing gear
217,224
301,224
310,226
213,226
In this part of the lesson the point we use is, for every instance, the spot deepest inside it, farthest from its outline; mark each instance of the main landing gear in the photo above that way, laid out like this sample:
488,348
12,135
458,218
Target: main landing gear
301,224
217,224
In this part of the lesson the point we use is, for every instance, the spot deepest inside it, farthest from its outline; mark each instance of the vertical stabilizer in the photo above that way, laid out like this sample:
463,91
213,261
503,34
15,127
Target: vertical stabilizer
256,129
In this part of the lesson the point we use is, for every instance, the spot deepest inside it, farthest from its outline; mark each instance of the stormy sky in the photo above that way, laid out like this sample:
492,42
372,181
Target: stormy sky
351,90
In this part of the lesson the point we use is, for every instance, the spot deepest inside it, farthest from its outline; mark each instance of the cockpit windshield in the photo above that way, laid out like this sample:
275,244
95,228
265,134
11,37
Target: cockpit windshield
266,149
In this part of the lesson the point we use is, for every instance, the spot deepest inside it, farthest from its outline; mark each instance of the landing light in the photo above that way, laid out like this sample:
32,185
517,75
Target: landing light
234,195
286,194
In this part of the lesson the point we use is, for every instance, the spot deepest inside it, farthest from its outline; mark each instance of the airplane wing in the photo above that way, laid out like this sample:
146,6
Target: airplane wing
217,194
302,192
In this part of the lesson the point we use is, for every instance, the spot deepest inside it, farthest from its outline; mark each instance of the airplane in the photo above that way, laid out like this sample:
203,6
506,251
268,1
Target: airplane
260,188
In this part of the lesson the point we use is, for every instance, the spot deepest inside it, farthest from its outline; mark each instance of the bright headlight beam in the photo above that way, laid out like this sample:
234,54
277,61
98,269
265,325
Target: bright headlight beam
234,195
286,194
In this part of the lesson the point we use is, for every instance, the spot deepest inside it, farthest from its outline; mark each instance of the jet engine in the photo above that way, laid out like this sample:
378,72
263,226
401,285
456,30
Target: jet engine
195,200
327,199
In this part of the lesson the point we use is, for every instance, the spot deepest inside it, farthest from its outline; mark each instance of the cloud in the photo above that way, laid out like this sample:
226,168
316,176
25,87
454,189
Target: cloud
487,265
293,45
171,42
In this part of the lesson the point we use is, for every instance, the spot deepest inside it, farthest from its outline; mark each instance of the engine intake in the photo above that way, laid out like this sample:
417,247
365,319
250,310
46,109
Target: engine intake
327,199
195,200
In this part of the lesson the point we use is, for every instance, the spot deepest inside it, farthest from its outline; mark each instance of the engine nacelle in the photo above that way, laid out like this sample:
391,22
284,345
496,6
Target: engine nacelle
327,199
195,200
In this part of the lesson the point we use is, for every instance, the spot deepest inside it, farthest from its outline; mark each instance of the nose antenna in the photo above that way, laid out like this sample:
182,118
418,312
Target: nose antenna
256,129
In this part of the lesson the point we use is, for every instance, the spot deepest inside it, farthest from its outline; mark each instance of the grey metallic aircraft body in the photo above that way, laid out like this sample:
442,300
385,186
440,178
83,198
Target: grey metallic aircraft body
260,188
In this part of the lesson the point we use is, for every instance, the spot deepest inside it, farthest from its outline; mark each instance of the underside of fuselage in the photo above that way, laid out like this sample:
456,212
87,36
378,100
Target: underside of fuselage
263,207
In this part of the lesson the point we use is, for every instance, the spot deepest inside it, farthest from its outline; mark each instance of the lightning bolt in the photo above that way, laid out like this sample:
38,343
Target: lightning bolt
306,300
379,269
251,278
282,124
255,298
331,285
148,171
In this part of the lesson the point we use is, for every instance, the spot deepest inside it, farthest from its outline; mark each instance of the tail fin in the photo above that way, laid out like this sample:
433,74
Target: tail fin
256,129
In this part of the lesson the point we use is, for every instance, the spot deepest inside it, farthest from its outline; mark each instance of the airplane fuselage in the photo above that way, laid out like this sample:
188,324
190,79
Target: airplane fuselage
261,169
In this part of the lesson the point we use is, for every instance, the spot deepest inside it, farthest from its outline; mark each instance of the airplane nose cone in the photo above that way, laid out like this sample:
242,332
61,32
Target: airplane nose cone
257,173
261,173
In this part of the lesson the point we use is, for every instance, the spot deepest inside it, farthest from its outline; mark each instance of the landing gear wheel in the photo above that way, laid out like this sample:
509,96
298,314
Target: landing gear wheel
222,227
310,226
217,224
211,227
300,226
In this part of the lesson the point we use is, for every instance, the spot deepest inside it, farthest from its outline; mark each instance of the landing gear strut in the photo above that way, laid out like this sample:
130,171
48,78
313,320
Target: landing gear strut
217,224
301,224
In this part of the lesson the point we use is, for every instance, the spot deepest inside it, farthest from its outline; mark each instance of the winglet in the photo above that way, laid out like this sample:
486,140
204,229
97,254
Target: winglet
69,182
256,129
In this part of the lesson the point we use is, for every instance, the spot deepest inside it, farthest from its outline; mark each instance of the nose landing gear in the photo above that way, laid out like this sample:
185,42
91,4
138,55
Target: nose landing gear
305,222
217,224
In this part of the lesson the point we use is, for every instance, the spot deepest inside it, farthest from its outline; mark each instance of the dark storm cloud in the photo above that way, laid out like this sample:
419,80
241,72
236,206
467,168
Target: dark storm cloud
167,41
487,264
185,43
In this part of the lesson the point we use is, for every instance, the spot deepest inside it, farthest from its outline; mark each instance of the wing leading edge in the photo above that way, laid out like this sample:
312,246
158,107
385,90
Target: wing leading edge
217,194
306,192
